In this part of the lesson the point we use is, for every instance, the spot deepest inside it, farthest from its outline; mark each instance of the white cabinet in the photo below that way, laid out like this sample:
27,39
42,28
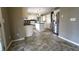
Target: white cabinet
29,30
39,26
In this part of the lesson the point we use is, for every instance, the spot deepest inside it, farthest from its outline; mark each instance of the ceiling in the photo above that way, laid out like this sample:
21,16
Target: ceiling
39,10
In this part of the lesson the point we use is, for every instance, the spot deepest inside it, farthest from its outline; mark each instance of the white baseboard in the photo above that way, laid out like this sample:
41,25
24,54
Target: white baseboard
69,40
12,42
9,45
19,39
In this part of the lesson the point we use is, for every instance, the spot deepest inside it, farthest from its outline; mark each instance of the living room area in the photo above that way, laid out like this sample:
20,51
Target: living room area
39,28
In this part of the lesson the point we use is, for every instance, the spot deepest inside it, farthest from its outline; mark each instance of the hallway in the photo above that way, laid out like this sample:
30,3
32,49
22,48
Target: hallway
19,23
43,41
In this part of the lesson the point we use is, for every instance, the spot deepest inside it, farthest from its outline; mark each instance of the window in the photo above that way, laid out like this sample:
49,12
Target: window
43,18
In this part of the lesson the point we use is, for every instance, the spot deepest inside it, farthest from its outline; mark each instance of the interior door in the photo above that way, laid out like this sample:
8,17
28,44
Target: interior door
55,23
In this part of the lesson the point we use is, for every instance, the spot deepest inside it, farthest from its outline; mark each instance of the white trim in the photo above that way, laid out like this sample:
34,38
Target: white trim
19,39
9,45
12,42
68,40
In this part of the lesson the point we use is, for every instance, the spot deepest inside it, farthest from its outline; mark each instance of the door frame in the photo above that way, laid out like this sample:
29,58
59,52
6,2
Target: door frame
57,21
3,38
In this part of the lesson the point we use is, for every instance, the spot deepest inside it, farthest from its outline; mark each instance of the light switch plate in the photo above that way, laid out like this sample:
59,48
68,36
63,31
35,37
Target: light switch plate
72,19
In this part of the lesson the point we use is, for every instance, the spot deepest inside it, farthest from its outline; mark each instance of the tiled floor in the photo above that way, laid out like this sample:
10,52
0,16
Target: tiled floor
43,41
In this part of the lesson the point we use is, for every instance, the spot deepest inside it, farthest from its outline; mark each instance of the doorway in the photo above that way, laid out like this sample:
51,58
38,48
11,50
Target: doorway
55,22
2,33
0,39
